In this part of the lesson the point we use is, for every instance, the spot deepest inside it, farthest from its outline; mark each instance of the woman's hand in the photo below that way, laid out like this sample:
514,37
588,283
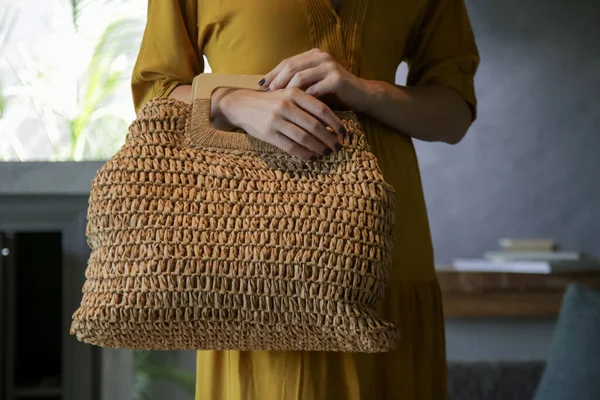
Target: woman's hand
320,75
288,119
428,112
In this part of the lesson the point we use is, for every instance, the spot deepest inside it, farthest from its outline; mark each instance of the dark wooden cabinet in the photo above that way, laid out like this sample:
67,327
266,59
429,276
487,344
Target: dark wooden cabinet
6,315
42,263
32,315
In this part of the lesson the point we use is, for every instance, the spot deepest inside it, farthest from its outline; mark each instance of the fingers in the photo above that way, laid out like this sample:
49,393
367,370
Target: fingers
288,71
304,141
319,137
283,141
322,88
281,75
318,109
298,125
308,77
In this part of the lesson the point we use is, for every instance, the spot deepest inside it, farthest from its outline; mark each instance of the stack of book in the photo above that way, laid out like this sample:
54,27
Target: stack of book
529,256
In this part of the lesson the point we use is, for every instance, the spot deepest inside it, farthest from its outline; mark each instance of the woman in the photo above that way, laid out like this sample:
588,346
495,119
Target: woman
343,53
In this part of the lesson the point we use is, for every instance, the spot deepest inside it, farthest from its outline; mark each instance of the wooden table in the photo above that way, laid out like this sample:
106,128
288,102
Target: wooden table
492,294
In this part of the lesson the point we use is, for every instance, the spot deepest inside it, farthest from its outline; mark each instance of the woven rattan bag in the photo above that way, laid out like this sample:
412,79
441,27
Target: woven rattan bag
206,239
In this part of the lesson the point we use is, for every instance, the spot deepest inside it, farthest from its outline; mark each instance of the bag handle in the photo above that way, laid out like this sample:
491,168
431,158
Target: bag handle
200,132
204,85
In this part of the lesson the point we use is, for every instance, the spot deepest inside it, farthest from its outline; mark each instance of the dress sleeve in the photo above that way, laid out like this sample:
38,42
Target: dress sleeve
169,54
442,50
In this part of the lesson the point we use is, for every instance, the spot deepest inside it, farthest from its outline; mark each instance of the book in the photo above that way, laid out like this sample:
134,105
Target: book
527,244
525,267
505,256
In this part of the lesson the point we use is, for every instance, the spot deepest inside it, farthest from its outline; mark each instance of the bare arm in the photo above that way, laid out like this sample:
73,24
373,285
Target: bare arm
438,102
182,93
429,113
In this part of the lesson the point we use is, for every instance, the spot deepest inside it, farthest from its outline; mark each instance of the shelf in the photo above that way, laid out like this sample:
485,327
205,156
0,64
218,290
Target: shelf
37,392
495,294
489,305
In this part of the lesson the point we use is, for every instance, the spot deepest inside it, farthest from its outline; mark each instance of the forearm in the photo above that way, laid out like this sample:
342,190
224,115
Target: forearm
182,93
428,113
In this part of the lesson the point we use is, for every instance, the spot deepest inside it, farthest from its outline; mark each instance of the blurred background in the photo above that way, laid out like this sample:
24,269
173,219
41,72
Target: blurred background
65,67
529,167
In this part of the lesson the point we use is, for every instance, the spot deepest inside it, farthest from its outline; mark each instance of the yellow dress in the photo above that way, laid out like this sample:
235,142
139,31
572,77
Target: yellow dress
370,38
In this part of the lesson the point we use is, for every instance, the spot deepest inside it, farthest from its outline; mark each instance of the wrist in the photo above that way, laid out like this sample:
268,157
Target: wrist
378,94
371,96
229,105
222,108
360,95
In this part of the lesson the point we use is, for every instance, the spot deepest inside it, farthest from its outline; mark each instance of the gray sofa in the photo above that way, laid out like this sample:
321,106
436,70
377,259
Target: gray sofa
571,371
493,380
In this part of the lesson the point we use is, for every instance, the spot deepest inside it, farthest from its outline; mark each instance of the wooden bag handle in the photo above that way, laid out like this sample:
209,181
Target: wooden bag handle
202,133
204,85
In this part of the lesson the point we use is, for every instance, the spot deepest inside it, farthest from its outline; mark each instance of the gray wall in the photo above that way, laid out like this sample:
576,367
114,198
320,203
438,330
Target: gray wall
530,165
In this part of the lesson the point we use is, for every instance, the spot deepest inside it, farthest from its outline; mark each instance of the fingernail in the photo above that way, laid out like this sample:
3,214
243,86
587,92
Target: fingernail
343,130
261,82
327,151
338,146
268,90
313,158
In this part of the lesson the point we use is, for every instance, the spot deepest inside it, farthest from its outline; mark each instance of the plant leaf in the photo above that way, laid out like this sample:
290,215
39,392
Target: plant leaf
185,379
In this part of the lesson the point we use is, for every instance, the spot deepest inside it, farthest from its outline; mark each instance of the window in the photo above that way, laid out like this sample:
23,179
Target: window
65,70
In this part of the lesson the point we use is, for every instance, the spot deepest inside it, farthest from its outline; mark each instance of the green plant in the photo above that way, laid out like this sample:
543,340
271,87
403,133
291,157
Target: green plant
147,370
7,22
99,84
2,106
2,101
86,117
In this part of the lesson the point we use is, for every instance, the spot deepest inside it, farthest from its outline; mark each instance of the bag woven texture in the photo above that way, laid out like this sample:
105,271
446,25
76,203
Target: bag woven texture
205,239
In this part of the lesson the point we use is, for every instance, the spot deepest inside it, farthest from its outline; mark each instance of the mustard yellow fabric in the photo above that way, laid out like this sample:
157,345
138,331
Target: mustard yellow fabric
370,38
